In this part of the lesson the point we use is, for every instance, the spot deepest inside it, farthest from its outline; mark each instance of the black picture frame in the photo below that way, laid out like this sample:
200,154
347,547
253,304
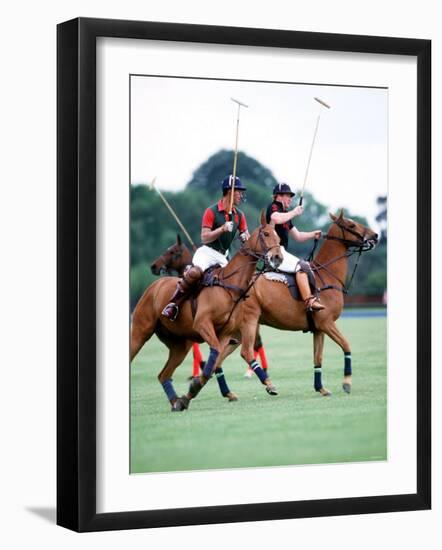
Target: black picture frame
76,274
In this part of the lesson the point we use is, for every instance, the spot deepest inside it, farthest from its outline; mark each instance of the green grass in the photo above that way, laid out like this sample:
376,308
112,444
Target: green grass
296,427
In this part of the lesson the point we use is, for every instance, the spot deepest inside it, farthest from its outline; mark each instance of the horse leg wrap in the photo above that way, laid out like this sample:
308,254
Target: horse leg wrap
195,387
208,367
258,370
317,377
169,390
347,363
220,378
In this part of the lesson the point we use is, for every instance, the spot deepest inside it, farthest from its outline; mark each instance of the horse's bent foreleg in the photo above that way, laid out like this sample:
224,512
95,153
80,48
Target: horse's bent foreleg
318,349
198,365
207,331
219,372
258,349
177,354
248,332
335,334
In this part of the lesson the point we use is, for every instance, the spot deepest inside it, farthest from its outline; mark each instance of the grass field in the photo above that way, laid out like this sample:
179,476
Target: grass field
296,427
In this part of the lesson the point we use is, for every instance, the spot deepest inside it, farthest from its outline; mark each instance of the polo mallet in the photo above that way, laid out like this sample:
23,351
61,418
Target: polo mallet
235,157
171,210
324,104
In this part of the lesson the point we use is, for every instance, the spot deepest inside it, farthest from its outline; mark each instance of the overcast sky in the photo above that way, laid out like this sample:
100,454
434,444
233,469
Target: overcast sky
176,124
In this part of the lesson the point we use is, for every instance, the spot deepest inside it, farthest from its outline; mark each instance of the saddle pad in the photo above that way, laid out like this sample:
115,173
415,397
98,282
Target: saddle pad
287,279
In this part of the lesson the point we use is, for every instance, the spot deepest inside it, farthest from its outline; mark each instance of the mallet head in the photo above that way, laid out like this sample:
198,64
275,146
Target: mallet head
239,102
322,102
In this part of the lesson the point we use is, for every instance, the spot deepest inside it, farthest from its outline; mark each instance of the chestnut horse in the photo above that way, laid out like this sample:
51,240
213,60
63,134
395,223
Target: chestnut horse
270,303
217,318
174,260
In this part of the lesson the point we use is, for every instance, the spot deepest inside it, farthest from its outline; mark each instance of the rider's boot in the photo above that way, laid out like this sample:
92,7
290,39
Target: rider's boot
311,302
184,288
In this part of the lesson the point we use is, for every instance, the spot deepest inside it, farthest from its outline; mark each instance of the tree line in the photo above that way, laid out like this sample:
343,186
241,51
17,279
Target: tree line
153,229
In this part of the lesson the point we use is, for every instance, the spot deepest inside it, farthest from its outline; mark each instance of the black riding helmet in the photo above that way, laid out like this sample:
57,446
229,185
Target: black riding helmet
283,189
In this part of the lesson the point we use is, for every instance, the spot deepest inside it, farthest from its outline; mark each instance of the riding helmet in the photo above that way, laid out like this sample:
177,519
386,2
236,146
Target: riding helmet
227,184
283,189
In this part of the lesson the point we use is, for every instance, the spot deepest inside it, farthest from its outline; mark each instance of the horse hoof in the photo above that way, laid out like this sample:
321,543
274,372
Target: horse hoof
181,404
325,392
177,406
271,390
231,396
346,387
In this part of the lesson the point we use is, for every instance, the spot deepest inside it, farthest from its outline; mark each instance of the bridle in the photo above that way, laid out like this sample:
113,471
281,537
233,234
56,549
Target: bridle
165,268
361,244
264,256
257,256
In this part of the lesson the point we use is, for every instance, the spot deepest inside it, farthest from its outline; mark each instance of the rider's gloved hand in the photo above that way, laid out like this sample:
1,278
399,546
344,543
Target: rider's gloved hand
228,226
244,236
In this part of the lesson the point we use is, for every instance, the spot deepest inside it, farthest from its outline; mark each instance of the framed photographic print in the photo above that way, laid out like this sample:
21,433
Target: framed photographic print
243,251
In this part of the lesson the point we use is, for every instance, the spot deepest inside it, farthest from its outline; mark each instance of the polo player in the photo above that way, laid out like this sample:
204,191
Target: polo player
278,212
218,230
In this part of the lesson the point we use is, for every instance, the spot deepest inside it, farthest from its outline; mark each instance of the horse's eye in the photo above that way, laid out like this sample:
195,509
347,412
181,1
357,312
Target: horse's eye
351,225
266,233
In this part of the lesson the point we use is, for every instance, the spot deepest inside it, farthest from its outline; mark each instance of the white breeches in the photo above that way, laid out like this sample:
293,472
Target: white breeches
205,257
290,263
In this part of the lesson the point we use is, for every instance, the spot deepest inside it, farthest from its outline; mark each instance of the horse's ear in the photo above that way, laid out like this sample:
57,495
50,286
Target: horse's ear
178,239
341,214
263,218
332,216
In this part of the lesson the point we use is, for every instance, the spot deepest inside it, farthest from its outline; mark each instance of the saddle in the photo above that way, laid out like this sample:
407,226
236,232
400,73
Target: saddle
289,280
209,278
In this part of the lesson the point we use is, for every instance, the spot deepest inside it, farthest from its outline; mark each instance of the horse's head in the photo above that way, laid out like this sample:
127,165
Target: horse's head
351,233
175,258
264,244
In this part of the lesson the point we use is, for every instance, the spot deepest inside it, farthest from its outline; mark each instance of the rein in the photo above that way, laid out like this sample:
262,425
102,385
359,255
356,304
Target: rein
344,288
257,256
243,293
166,267
165,263
359,246
361,243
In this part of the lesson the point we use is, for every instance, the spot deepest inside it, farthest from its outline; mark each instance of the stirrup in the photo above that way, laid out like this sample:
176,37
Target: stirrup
171,311
312,304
